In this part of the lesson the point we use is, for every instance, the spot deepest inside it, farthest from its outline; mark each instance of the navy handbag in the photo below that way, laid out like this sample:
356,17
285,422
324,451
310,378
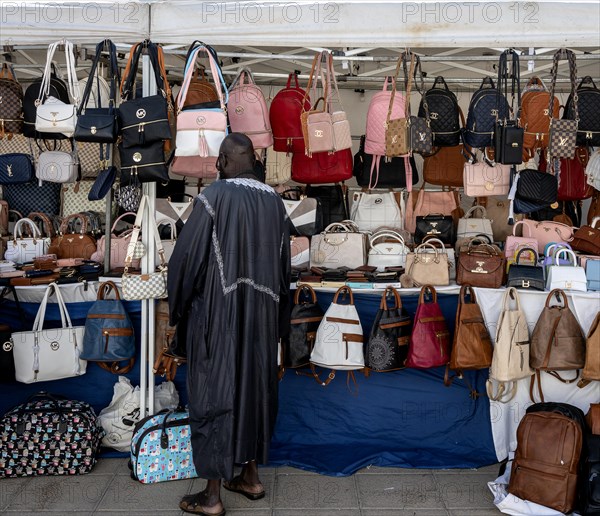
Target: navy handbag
108,338
16,168
28,197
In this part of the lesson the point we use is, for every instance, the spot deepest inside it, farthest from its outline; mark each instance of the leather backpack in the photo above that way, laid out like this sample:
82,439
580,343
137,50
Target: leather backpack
591,370
588,105
443,114
472,345
11,107
285,117
535,118
557,343
200,90
430,339
549,447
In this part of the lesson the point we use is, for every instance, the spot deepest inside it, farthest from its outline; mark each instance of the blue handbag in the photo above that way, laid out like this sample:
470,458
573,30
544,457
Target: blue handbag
161,448
16,168
592,272
28,197
108,338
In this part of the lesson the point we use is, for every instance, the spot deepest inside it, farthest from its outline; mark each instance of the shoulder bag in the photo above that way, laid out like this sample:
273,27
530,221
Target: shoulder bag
424,267
371,210
482,179
56,166
444,203
566,277
526,277
587,238
322,167
20,249
73,245
435,225
168,244
16,168
317,124
481,266
513,241
305,214
118,246
387,249
338,246
52,354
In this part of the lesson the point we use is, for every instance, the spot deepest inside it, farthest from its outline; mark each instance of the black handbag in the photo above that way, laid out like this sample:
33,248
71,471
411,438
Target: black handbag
99,124
387,349
305,318
28,197
528,277
540,188
103,183
436,225
16,168
144,120
588,106
146,162
333,200
383,173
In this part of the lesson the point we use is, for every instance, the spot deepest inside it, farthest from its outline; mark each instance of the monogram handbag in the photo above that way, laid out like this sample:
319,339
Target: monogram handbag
587,238
481,266
22,249
387,249
53,115
51,354
482,180
144,286
28,197
146,162
566,277
469,227
339,245
16,168
58,167
526,277
425,267
374,210
11,110
387,348
436,225
76,199
397,135
563,133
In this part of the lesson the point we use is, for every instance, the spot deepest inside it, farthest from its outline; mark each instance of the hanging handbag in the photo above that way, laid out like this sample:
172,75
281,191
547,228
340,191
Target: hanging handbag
430,339
510,361
339,245
333,201
58,166
146,162
305,214
99,124
200,90
194,166
481,266
7,359
526,277
318,128
175,212
152,285
557,343
278,167
103,184
11,109
573,185
566,277
535,116
469,227
536,186
387,348
445,166
143,120
374,210
546,232
21,249
421,134
443,114
28,197
483,179
513,241
563,133
76,199
118,246
73,245
445,203
424,267
52,354
322,167
387,249
436,225
168,244
16,168
397,135
305,318
587,238
588,104
52,114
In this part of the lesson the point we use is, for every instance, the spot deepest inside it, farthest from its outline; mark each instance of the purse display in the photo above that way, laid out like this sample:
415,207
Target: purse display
435,225
566,277
339,245
425,267
21,249
371,211
387,348
482,179
16,168
52,354
586,239
469,227
387,249
481,266
526,277
546,232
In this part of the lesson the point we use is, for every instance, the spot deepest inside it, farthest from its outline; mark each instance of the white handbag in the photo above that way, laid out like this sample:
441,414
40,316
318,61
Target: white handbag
168,245
278,169
469,227
566,277
510,361
42,355
387,249
339,340
26,249
57,167
338,246
53,115
371,211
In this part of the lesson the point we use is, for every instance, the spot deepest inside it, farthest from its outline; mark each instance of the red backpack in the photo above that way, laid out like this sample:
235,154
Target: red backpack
286,108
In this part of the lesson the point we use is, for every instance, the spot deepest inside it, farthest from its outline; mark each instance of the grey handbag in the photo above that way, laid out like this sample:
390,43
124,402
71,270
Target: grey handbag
340,245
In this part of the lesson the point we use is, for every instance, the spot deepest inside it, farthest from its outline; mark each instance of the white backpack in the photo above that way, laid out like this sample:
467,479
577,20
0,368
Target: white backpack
592,170
510,361
339,340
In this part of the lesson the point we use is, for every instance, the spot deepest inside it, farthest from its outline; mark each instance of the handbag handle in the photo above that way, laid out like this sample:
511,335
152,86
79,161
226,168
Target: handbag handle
420,87
171,224
305,289
35,231
105,288
47,224
570,56
566,251
422,249
474,209
523,223
64,225
424,290
114,226
386,234
515,76
289,81
315,71
131,69
241,76
558,293
526,250
113,71
435,242
463,291
481,249
390,290
38,324
72,82
331,228
344,290
407,82
511,293
136,233
595,221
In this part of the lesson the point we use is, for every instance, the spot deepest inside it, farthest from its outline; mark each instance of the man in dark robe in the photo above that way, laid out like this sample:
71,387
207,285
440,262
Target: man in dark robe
229,279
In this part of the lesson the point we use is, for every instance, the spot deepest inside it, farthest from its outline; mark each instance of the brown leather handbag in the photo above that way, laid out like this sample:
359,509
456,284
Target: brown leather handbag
593,418
201,90
587,238
397,135
73,245
557,343
472,345
445,167
165,362
481,265
591,370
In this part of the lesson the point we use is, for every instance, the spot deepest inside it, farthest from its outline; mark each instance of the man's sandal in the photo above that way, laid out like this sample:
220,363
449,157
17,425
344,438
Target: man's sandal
235,487
190,503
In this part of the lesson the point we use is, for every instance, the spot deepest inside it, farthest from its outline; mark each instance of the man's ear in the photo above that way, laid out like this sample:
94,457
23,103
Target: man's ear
221,162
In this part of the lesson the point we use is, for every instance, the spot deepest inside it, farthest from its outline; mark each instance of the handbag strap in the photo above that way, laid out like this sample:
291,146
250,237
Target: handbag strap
558,293
511,293
131,70
113,73
64,225
386,234
171,224
331,78
35,231
344,290
407,83
315,72
105,288
566,251
570,56
46,222
502,82
517,224
463,291
240,78
474,209
136,233
420,86
8,72
424,290
65,319
303,289
390,290
72,82
114,226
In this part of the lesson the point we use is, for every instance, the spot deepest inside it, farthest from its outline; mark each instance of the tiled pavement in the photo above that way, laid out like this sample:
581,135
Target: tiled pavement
374,491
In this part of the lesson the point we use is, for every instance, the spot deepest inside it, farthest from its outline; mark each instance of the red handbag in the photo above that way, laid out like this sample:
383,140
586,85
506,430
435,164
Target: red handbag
430,340
322,167
573,182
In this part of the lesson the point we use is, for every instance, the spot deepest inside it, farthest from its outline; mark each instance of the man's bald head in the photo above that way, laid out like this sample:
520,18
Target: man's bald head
236,156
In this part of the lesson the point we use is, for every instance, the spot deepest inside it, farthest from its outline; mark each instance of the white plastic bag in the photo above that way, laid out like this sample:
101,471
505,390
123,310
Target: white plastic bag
121,416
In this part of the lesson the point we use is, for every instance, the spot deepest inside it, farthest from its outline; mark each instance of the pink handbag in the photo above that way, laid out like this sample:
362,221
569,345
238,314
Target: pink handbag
428,202
513,241
483,180
195,166
118,246
548,231
248,112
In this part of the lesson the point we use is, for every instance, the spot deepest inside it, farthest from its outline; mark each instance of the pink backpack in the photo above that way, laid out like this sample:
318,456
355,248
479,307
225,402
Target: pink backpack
248,111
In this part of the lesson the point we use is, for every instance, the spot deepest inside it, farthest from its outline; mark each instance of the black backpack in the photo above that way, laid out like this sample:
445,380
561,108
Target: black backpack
58,89
443,113
487,105
588,130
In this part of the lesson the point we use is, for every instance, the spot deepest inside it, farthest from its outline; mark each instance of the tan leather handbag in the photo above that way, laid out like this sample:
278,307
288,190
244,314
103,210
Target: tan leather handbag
591,370
481,266
424,267
73,245
445,167
397,136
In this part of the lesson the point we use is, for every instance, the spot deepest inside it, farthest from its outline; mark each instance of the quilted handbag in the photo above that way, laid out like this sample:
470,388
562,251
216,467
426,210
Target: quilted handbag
51,354
436,225
305,318
430,339
305,214
566,277
443,114
57,167
28,197
587,238
374,210
161,448
67,421
546,232
526,277
513,241
22,249
481,266
338,246
387,347
322,167
15,168
377,115
11,110
118,246
469,227
588,104
176,212
387,249
535,186
425,267
482,180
